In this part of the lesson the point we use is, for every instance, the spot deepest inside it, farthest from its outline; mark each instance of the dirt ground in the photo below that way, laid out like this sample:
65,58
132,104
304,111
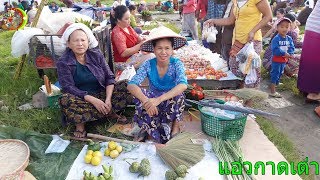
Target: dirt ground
298,120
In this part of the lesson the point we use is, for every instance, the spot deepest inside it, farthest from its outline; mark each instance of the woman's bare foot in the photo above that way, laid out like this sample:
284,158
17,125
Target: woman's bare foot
80,131
120,119
175,128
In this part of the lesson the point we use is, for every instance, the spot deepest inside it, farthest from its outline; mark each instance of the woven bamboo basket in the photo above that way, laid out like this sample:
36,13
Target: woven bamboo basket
14,159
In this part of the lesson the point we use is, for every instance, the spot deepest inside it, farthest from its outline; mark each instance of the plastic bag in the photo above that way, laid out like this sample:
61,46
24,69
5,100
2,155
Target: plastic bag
251,77
127,73
57,145
248,58
209,34
21,39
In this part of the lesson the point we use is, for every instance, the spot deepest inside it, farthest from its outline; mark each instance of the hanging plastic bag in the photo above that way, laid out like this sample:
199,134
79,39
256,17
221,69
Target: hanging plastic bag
212,35
251,77
209,33
248,58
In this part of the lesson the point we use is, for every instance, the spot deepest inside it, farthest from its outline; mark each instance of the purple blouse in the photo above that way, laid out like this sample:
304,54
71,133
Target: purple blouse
95,62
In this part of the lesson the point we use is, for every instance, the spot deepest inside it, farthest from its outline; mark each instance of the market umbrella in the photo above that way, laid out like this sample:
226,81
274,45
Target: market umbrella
214,104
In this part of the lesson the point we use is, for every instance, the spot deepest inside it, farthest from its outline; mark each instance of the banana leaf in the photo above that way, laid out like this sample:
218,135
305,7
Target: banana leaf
215,104
43,166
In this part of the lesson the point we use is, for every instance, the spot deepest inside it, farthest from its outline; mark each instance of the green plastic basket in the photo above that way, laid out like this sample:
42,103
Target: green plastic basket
222,128
53,101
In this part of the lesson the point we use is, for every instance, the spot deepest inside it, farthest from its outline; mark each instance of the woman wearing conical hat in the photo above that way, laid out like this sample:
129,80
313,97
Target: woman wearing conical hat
159,109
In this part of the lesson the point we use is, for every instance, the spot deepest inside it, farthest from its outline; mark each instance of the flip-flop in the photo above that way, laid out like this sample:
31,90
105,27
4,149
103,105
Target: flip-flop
82,134
141,136
175,134
276,95
312,101
119,118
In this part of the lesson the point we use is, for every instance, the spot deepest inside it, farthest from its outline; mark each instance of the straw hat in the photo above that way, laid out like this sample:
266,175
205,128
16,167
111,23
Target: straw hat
163,32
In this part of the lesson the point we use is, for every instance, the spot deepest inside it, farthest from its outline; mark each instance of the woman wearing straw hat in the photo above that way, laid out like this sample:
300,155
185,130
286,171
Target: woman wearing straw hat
159,109
89,90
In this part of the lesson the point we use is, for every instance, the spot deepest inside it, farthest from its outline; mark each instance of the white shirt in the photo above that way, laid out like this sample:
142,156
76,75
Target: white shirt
313,21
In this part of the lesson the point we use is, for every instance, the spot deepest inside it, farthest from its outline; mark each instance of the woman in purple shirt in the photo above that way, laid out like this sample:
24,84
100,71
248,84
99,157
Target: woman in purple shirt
87,82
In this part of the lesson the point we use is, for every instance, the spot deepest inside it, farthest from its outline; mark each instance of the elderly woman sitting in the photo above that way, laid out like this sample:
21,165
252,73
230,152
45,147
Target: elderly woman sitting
159,109
87,81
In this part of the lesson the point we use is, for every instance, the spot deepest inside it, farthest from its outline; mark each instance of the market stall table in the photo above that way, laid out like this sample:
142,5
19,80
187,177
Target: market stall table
207,168
205,68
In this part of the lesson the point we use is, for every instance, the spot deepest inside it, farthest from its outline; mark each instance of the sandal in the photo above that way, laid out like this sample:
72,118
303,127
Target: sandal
312,101
141,136
81,134
120,119
276,95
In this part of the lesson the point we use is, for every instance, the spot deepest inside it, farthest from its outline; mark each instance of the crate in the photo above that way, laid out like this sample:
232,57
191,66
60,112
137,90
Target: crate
216,84
44,55
223,128
53,101
45,49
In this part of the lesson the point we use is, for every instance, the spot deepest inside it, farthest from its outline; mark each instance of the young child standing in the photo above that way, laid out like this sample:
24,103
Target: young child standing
282,48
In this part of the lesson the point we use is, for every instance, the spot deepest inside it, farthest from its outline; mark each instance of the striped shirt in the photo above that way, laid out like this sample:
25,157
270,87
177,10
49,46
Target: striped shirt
313,22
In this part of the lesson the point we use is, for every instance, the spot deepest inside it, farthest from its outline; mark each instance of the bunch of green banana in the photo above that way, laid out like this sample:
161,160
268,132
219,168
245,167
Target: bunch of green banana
106,175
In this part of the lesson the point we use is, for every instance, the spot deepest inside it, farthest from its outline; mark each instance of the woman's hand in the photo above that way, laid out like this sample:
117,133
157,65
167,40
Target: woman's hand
250,36
151,103
98,104
109,105
210,22
153,111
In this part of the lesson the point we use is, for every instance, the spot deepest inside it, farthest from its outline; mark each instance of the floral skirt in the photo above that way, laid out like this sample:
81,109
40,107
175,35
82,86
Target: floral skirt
77,110
234,66
159,127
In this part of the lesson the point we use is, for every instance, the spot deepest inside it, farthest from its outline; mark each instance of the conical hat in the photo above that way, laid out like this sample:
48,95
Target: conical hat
163,32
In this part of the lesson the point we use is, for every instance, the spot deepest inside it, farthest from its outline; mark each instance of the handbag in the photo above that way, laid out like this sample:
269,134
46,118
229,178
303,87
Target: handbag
235,48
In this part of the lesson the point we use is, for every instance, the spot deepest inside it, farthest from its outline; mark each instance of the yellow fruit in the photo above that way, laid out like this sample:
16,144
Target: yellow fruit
114,154
95,160
119,149
112,145
97,154
87,158
107,152
89,152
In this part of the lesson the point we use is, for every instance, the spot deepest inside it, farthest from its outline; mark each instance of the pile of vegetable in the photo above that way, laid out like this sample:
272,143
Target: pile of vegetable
201,63
179,173
93,155
207,73
113,150
194,92
106,175
228,152
144,167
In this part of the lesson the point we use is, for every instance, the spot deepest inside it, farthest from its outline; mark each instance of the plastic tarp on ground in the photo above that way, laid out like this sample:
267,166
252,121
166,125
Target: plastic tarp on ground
207,168
43,166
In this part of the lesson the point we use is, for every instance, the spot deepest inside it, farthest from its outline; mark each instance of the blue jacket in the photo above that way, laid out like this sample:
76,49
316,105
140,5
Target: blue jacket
280,46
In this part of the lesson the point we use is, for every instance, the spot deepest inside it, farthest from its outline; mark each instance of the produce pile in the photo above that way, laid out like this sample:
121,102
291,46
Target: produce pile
106,175
201,63
144,167
94,156
179,173
228,152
